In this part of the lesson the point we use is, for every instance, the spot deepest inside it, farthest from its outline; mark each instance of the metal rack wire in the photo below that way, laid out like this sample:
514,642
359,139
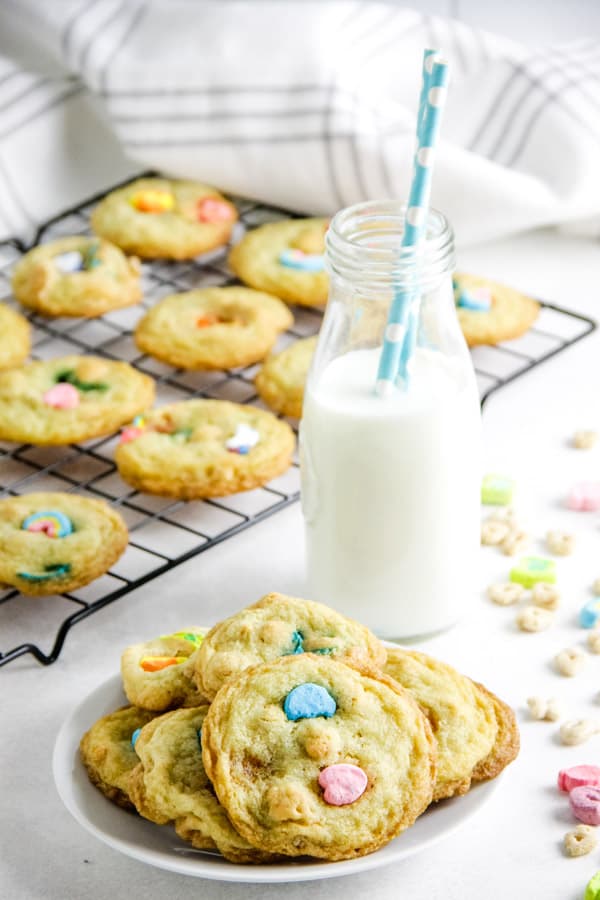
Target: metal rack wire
166,532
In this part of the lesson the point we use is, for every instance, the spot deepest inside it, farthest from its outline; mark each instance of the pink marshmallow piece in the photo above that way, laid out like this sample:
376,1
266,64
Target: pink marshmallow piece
578,776
584,497
342,784
585,803
62,396
210,209
131,433
44,525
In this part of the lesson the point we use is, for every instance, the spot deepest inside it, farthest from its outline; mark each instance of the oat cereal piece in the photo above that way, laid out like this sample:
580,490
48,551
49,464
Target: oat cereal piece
584,439
577,731
533,618
596,587
560,543
505,594
504,514
593,641
545,595
570,661
544,710
580,841
515,542
494,532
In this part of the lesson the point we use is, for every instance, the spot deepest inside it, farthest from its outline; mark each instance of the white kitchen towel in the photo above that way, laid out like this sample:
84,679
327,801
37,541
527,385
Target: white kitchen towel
307,104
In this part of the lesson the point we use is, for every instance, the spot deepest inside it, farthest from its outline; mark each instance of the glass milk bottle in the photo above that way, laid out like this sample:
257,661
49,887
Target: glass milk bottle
391,484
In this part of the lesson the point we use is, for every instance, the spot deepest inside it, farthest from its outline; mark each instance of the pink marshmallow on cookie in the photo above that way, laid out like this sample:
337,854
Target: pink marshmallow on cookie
62,396
342,784
584,497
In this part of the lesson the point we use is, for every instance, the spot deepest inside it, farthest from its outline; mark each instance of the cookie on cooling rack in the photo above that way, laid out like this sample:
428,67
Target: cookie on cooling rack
312,757
70,399
286,259
158,674
169,784
213,328
108,755
281,626
159,217
204,448
280,382
14,338
53,542
489,312
476,733
76,276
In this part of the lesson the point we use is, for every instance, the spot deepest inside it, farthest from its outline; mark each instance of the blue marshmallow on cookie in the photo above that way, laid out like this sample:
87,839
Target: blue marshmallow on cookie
477,299
309,701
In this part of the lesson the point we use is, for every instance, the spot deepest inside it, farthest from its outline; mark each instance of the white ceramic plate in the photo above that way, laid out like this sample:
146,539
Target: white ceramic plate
160,846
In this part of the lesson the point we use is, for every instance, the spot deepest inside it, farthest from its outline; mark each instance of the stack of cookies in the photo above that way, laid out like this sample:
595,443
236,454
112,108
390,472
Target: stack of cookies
289,730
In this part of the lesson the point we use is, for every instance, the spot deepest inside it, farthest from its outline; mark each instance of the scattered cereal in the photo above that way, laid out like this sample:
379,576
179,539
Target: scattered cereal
570,661
589,614
516,541
504,514
575,776
593,641
533,618
545,595
577,731
505,594
560,543
580,841
584,497
532,569
585,803
583,439
544,710
493,532
596,587
592,891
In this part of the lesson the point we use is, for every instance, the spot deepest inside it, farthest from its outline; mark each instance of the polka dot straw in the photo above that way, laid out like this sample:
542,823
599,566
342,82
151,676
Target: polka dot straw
400,333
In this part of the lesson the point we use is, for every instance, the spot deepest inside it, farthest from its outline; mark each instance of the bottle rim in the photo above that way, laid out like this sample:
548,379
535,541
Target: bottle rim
364,246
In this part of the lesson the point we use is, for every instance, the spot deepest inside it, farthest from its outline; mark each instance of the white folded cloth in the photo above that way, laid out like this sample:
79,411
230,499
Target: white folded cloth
307,104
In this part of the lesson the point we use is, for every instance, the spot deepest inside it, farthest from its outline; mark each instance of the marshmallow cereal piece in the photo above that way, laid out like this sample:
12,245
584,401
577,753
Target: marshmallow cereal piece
534,618
589,614
505,594
585,804
515,542
580,841
560,543
545,595
584,497
577,731
497,490
493,532
584,439
570,661
575,776
532,569
544,710
592,890
593,641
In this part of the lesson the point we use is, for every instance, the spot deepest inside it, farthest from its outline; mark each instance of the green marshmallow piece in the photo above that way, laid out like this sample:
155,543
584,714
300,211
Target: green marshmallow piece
532,569
497,490
592,891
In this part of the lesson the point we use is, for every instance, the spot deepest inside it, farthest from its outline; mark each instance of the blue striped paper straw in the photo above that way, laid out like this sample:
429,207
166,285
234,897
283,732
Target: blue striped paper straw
414,226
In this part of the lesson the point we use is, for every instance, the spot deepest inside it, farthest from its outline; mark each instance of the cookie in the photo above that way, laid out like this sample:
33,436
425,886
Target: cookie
285,259
14,338
53,542
158,674
489,312
476,733
159,217
76,276
280,626
108,755
204,448
70,399
213,328
169,784
280,382
312,757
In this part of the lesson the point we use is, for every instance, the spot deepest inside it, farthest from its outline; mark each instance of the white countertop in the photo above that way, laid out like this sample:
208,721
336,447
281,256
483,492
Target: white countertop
512,848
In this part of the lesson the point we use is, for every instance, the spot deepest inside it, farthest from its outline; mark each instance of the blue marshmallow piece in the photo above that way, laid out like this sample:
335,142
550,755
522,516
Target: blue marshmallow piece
71,261
477,299
589,615
309,701
305,262
135,735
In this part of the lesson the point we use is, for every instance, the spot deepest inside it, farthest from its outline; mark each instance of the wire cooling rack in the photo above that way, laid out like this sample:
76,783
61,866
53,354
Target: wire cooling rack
166,532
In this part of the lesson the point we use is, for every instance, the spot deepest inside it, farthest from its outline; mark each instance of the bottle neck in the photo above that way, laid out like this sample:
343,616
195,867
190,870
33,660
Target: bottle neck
364,249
